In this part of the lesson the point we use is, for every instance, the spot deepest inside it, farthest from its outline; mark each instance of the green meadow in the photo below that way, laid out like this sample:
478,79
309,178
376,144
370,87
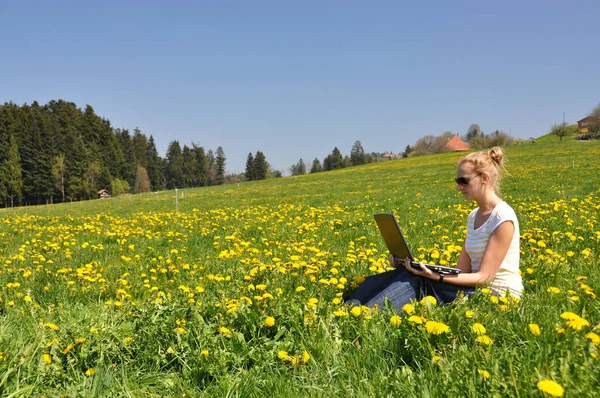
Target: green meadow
240,292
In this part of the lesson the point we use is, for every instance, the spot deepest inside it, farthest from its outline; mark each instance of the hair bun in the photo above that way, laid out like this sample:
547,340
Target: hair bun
496,155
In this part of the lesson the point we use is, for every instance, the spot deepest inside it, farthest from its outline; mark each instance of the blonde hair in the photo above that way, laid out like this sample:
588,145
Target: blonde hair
489,162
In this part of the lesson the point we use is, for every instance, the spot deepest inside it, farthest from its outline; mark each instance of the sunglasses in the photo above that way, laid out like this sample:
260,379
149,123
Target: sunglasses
464,181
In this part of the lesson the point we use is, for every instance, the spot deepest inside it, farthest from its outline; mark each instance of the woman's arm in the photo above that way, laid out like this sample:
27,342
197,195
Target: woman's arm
495,252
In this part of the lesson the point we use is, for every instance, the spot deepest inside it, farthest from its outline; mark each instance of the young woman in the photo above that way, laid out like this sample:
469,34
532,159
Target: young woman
490,256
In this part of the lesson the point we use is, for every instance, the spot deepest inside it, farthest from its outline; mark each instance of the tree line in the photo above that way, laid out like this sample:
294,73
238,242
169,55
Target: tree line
59,152
335,160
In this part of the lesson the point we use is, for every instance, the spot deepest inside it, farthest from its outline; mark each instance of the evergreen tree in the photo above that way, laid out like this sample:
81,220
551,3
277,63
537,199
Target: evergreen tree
12,173
316,166
250,167
201,171
357,154
220,166
327,163
261,167
174,166
189,167
336,159
299,168
128,167
153,168
139,144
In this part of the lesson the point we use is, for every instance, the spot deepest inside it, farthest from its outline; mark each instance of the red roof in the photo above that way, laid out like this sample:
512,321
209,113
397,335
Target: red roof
456,144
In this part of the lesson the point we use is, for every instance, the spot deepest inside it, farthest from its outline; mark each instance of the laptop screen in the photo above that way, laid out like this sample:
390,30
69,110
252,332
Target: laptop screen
392,235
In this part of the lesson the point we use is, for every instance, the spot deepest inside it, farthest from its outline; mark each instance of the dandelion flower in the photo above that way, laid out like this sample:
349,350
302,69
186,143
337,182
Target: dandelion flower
395,320
127,340
469,314
355,311
485,340
434,327
90,372
551,388
204,352
305,357
415,319
408,308
51,326
429,299
593,337
225,331
47,358
270,321
479,329
534,329
484,373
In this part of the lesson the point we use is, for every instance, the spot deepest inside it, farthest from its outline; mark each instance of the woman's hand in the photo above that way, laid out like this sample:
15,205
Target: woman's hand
422,271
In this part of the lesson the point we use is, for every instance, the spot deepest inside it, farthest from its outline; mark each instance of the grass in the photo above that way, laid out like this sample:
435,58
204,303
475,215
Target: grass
126,297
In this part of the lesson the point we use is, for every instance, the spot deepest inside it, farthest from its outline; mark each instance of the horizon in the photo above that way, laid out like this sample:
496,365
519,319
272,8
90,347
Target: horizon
296,80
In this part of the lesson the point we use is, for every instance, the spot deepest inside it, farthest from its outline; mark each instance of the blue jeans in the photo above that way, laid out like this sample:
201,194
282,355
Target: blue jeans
400,286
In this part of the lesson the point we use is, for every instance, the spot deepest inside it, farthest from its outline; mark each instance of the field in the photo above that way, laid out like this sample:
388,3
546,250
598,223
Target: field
240,292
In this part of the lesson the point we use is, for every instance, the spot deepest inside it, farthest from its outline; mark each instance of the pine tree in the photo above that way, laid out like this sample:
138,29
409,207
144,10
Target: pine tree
201,171
139,144
14,181
316,166
220,166
189,168
336,159
174,166
357,154
153,168
261,167
250,167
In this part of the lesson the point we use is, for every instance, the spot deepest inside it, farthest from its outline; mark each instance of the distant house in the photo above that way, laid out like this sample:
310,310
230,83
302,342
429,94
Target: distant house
389,156
103,194
456,144
583,125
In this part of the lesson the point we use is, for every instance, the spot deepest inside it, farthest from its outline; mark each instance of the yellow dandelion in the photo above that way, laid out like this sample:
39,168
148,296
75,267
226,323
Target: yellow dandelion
355,311
270,321
469,314
47,358
434,327
340,313
204,353
305,357
485,340
429,299
282,355
127,340
90,372
395,320
479,329
593,337
408,309
223,330
51,326
551,388
534,329
484,373
553,289
415,319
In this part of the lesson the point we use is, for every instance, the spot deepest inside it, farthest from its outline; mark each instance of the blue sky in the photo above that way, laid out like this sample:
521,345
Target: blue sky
295,79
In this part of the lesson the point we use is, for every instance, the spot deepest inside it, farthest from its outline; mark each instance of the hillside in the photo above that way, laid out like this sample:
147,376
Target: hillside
241,291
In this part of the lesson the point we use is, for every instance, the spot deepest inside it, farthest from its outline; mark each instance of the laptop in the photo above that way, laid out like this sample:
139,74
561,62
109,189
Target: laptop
397,245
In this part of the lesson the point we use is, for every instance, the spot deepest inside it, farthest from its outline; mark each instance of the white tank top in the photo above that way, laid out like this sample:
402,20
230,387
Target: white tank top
507,277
